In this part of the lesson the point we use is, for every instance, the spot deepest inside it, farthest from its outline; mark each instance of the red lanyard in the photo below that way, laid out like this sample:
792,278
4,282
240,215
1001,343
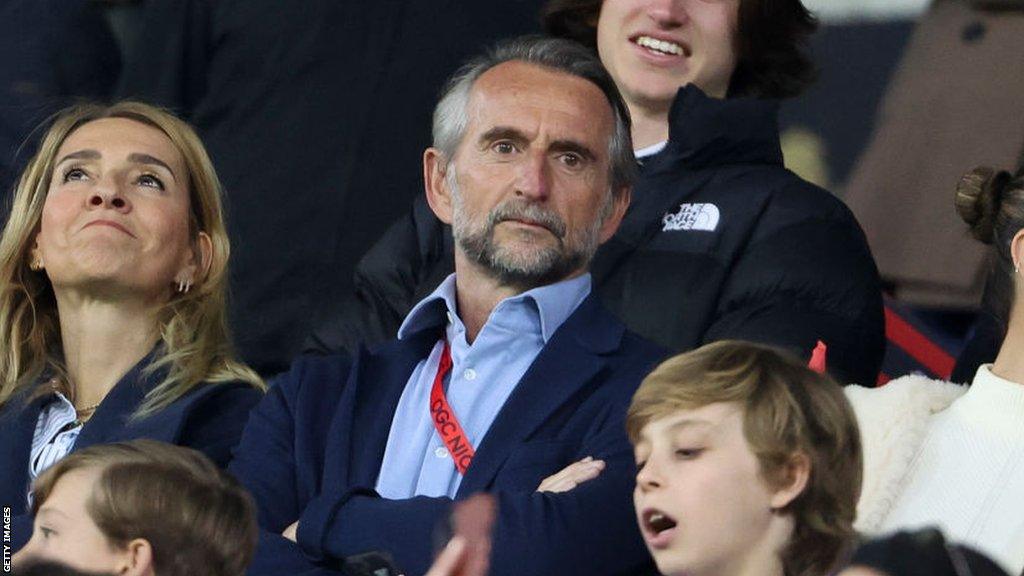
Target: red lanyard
445,421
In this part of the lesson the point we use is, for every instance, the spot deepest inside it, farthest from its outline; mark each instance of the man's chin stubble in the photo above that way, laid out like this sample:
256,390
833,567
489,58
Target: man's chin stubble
522,273
541,269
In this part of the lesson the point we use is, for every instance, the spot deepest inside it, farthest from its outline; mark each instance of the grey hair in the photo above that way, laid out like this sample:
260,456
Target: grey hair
451,118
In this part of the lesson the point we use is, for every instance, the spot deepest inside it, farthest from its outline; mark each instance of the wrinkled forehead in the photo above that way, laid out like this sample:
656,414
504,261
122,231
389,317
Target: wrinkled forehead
536,97
117,138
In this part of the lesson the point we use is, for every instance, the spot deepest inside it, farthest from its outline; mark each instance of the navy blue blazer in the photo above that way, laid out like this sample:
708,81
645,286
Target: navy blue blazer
313,448
210,419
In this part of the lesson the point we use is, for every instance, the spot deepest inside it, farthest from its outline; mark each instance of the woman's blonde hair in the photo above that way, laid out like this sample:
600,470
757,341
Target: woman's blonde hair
197,518
195,344
787,409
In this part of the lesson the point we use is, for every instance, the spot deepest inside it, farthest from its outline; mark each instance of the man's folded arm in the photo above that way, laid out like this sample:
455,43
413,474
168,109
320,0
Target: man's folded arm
588,530
265,460
265,464
276,556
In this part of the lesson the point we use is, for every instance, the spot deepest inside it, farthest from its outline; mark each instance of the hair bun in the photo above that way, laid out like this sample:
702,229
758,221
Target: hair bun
979,195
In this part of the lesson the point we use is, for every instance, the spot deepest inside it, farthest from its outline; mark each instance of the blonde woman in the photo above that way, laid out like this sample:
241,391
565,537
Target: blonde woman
113,267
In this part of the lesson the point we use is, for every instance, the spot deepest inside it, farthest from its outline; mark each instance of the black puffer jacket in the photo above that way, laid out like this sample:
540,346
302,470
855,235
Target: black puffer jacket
721,241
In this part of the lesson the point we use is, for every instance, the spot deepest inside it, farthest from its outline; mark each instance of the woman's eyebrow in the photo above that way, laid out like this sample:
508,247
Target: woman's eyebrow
81,155
140,158
135,157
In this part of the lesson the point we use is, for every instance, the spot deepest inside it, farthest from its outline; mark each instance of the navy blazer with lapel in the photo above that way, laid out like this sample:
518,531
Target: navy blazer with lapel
314,446
210,419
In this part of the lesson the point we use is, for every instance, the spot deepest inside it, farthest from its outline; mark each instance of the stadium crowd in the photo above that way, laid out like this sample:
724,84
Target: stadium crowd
614,334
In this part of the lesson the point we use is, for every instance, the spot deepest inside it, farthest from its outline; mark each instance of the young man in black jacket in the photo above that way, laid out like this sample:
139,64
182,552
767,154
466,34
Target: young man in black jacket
721,241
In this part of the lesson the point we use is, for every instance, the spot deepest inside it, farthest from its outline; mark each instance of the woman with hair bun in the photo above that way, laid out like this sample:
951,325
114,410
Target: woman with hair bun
940,454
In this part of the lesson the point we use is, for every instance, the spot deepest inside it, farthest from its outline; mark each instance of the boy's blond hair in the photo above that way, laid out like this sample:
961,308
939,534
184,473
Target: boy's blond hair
788,409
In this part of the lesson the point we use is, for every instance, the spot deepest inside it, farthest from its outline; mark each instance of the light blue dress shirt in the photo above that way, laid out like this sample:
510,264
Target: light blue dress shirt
483,375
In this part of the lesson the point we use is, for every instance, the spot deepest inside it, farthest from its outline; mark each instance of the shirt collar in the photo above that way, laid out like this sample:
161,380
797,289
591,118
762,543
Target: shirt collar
988,391
553,304
59,404
706,131
646,151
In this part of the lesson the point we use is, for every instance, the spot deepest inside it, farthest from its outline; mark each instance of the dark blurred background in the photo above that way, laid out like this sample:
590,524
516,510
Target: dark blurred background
316,113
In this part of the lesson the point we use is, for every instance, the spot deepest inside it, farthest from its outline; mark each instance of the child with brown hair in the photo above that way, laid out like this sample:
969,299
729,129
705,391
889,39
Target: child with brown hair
141,508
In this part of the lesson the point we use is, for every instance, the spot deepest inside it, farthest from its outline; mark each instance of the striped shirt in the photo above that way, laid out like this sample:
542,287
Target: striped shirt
55,435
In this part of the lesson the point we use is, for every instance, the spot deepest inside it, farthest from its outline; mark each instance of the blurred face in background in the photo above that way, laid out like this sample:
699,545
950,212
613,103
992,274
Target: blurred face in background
653,47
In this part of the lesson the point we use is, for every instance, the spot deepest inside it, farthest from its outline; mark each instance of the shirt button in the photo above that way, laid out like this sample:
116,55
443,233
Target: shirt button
441,453
469,374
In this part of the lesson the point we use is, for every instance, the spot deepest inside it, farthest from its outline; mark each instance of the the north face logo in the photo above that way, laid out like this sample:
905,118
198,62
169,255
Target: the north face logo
701,216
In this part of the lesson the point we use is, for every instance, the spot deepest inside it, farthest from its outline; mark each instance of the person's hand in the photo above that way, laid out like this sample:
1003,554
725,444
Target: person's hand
572,475
290,532
452,560
468,553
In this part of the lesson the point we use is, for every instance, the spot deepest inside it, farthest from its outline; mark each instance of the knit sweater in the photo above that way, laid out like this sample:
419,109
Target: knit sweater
937,456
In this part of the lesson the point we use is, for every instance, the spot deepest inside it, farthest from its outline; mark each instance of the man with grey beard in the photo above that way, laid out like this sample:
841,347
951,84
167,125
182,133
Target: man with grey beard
509,378
545,265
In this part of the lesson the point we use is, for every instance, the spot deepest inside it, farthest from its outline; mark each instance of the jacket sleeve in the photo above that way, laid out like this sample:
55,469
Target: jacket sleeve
806,278
265,463
409,261
535,533
215,426
277,556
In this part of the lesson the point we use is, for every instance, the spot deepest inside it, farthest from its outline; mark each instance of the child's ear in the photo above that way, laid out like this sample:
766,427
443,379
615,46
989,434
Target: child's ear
792,480
138,559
